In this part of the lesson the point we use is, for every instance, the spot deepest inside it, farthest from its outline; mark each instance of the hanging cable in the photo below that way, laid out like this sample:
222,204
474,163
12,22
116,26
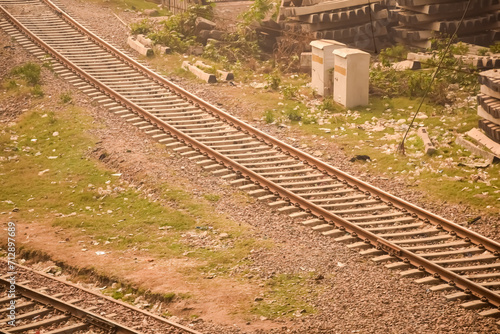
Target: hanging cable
401,147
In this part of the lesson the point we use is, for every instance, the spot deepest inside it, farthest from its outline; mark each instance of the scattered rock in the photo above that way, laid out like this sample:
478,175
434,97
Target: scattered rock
203,24
407,65
151,12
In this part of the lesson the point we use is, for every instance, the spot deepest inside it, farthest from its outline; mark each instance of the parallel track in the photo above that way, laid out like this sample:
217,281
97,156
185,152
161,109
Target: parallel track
321,196
40,302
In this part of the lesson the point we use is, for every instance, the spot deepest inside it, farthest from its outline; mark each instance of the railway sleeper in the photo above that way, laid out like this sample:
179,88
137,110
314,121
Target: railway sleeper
465,252
398,265
239,182
493,313
475,305
229,177
361,210
407,219
299,214
348,204
383,258
323,228
288,209
395,227
331,200
277,204
346,239
38,324
482,258
292,172
429,280
410,233
334,233
413,273
441,287
258,192
372,252
267,198
360,245
312,222
457,296
221,172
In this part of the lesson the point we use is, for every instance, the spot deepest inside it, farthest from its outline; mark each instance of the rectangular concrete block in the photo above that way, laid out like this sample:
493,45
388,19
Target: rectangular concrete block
137,46
207,77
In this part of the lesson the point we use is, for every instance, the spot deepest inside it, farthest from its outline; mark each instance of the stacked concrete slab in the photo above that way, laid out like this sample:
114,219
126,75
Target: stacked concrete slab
420,20
489,104
481,62
360,23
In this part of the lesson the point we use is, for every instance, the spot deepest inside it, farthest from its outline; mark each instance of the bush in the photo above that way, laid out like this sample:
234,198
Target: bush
393,54
387,81
289,91
269,116
327,105
142,27
177,31
37,91
30,72
65,97
495,48
273,80
294,114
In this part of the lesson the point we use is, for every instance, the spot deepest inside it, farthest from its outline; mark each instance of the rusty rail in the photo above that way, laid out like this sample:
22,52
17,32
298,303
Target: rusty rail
397,251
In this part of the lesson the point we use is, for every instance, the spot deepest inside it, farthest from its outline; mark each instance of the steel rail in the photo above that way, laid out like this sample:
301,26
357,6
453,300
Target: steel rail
430,217
68,308
397,251
110,299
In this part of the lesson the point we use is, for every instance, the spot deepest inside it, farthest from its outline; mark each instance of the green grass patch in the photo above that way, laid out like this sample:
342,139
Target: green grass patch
29,72
60,185
377,129
286,296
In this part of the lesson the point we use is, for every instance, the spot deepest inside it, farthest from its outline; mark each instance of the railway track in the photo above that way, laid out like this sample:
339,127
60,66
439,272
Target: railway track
378,224
40,302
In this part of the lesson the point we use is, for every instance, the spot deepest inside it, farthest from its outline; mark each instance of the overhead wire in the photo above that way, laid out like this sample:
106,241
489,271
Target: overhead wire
401,146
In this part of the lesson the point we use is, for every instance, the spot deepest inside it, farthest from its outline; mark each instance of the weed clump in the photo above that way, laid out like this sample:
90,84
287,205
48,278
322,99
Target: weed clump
177,31
66,98
386,81
30,72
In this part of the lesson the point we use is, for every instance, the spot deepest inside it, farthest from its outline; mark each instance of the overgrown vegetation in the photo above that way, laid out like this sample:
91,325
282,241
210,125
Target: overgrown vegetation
30,72
177,31
286,296
91,204
28,76
387,81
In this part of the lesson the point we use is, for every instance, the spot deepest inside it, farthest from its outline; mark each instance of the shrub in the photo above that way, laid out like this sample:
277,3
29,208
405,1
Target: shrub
294,114
273,80
482,51
37,91
30,72
495,48
65,97
392,54
269,116
142,27
289,91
